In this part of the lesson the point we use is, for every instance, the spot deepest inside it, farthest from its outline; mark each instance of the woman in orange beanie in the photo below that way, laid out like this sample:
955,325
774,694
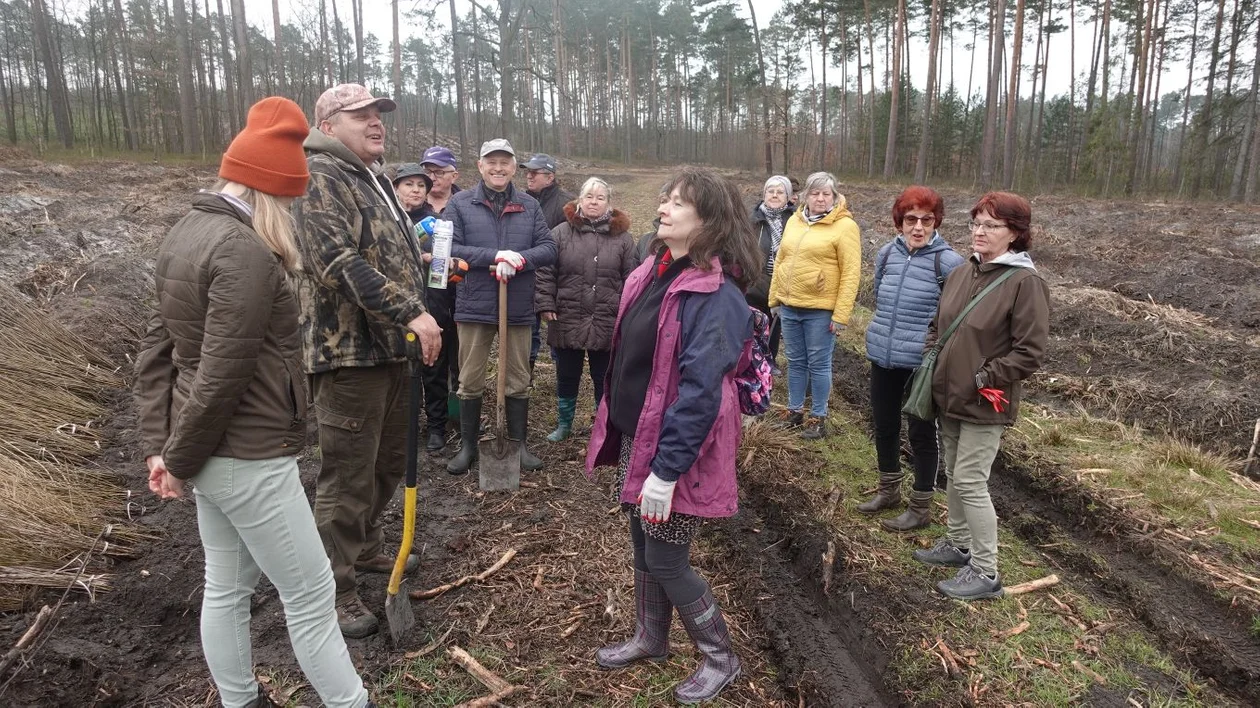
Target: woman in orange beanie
223,404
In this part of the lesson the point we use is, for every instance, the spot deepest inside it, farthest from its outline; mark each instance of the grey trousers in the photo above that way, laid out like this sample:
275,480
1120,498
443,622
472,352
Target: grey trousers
253,518
668,563
969,453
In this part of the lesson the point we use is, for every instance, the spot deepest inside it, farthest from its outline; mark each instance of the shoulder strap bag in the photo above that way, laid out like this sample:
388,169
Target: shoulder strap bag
918,399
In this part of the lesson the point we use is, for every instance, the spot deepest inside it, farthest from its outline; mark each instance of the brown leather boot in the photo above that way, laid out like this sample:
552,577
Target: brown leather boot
887,496
916,516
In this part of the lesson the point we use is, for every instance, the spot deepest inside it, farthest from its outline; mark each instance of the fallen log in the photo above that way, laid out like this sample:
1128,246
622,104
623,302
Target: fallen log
1031,585
487,677
442,589
486,701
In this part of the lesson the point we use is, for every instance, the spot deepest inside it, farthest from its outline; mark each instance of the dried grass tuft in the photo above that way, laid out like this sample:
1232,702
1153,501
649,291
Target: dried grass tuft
51,511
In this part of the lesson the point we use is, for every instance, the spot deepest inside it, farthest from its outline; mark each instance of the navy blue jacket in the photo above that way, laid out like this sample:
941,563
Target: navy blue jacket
906,296
479,235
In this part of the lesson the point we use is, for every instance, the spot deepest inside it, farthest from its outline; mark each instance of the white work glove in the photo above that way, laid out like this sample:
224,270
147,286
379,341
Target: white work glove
504,271
656,499
774,311
512,257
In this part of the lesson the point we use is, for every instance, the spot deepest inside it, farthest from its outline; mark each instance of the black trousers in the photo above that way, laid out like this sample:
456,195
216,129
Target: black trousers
569,364
887,389
438,378
668,563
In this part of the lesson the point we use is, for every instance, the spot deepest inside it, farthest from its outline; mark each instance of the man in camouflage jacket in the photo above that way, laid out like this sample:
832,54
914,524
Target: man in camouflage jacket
360,291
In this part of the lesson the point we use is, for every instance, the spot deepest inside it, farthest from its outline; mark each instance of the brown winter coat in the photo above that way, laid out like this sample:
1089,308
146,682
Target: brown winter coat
583,288
1005,336
220,369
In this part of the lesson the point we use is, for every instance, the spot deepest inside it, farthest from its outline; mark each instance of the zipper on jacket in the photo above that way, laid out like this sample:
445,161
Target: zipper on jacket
901,284
797,259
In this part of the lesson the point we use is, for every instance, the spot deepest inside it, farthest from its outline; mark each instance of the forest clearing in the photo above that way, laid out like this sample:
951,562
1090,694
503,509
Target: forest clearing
1124,478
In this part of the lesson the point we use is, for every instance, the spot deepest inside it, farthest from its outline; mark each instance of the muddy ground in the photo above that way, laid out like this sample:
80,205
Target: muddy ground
1156,321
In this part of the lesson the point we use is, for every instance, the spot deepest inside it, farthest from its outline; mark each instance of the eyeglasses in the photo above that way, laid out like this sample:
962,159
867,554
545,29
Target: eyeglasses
434,174
985,226
912,219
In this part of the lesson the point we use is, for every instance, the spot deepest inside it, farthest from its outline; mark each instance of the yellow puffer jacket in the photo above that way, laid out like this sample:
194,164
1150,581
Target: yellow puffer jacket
819,265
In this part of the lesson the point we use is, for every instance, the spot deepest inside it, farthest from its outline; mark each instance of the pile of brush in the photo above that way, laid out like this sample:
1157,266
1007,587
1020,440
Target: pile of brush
55,514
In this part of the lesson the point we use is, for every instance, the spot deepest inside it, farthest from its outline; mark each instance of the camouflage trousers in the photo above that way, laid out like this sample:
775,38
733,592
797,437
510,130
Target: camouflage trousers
362,415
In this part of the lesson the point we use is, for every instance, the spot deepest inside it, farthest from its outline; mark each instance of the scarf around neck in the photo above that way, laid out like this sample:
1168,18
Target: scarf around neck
773,216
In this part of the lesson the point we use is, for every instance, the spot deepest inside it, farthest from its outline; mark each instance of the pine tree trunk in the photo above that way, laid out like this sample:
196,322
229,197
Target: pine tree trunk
187,93
1237,187
229,82
1179,168
457,63
58,98
1205,124
890,145
822,132
400,118
356,9
921,167
765,92
1012,101
117,45
870,115
244,66
1134,147
988,144
279,52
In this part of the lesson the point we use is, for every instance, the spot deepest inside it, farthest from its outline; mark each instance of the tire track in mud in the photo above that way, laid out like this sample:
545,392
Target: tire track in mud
1193,625
827,654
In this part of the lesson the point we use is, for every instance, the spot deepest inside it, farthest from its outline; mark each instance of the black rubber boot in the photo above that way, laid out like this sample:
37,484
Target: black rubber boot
470,432
517,414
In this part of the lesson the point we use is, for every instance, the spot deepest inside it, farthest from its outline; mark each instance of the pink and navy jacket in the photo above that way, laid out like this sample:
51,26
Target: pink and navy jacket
689,429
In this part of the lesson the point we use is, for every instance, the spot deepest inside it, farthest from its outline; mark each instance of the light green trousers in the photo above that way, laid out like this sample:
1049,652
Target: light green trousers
969,453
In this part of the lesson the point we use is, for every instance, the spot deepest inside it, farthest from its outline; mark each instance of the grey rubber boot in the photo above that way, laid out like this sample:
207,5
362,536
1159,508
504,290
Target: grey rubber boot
517,413
469,433
887,496
718,664
650,642
916,516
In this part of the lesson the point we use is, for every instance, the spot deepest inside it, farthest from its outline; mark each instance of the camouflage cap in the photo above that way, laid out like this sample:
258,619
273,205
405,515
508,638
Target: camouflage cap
348,97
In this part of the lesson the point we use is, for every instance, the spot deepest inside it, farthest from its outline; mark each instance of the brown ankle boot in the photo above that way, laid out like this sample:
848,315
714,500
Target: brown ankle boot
887,496
916,516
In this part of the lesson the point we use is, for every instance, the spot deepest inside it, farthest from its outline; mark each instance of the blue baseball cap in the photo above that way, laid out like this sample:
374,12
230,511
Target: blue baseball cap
540,162
438,155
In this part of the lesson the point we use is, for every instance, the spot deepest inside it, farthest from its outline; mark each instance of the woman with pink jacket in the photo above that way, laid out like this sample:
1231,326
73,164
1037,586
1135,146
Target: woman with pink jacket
670,419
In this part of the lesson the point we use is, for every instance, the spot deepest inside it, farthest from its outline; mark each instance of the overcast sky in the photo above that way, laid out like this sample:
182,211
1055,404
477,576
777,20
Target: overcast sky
378,20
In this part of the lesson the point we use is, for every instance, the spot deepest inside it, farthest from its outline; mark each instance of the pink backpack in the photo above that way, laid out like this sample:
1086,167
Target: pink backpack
755,380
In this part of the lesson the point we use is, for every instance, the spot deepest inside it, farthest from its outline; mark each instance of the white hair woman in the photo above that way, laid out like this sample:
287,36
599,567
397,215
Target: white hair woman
769,218
578,297
814,286
222,401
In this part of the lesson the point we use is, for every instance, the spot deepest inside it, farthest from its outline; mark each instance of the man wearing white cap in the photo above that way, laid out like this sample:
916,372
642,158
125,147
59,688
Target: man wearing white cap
501,228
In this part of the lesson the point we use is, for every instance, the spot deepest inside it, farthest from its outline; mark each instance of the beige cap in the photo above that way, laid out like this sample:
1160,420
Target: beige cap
497,145
348,97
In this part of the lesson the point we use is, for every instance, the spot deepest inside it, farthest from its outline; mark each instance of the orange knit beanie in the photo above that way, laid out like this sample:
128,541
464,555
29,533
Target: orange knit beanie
267,155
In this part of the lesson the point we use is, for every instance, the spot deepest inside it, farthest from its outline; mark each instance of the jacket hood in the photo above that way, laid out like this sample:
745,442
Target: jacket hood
618,224
540,194
838,212
213,203
318,142
934,244
1019,259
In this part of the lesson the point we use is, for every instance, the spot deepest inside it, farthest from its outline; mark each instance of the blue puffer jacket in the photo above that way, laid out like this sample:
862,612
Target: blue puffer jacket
480,235
906,296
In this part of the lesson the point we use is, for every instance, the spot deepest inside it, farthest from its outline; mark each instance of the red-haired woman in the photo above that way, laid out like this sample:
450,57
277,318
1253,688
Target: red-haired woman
977,383
909,273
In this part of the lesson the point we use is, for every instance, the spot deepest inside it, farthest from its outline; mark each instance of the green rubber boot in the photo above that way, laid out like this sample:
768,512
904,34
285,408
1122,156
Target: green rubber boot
565,408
